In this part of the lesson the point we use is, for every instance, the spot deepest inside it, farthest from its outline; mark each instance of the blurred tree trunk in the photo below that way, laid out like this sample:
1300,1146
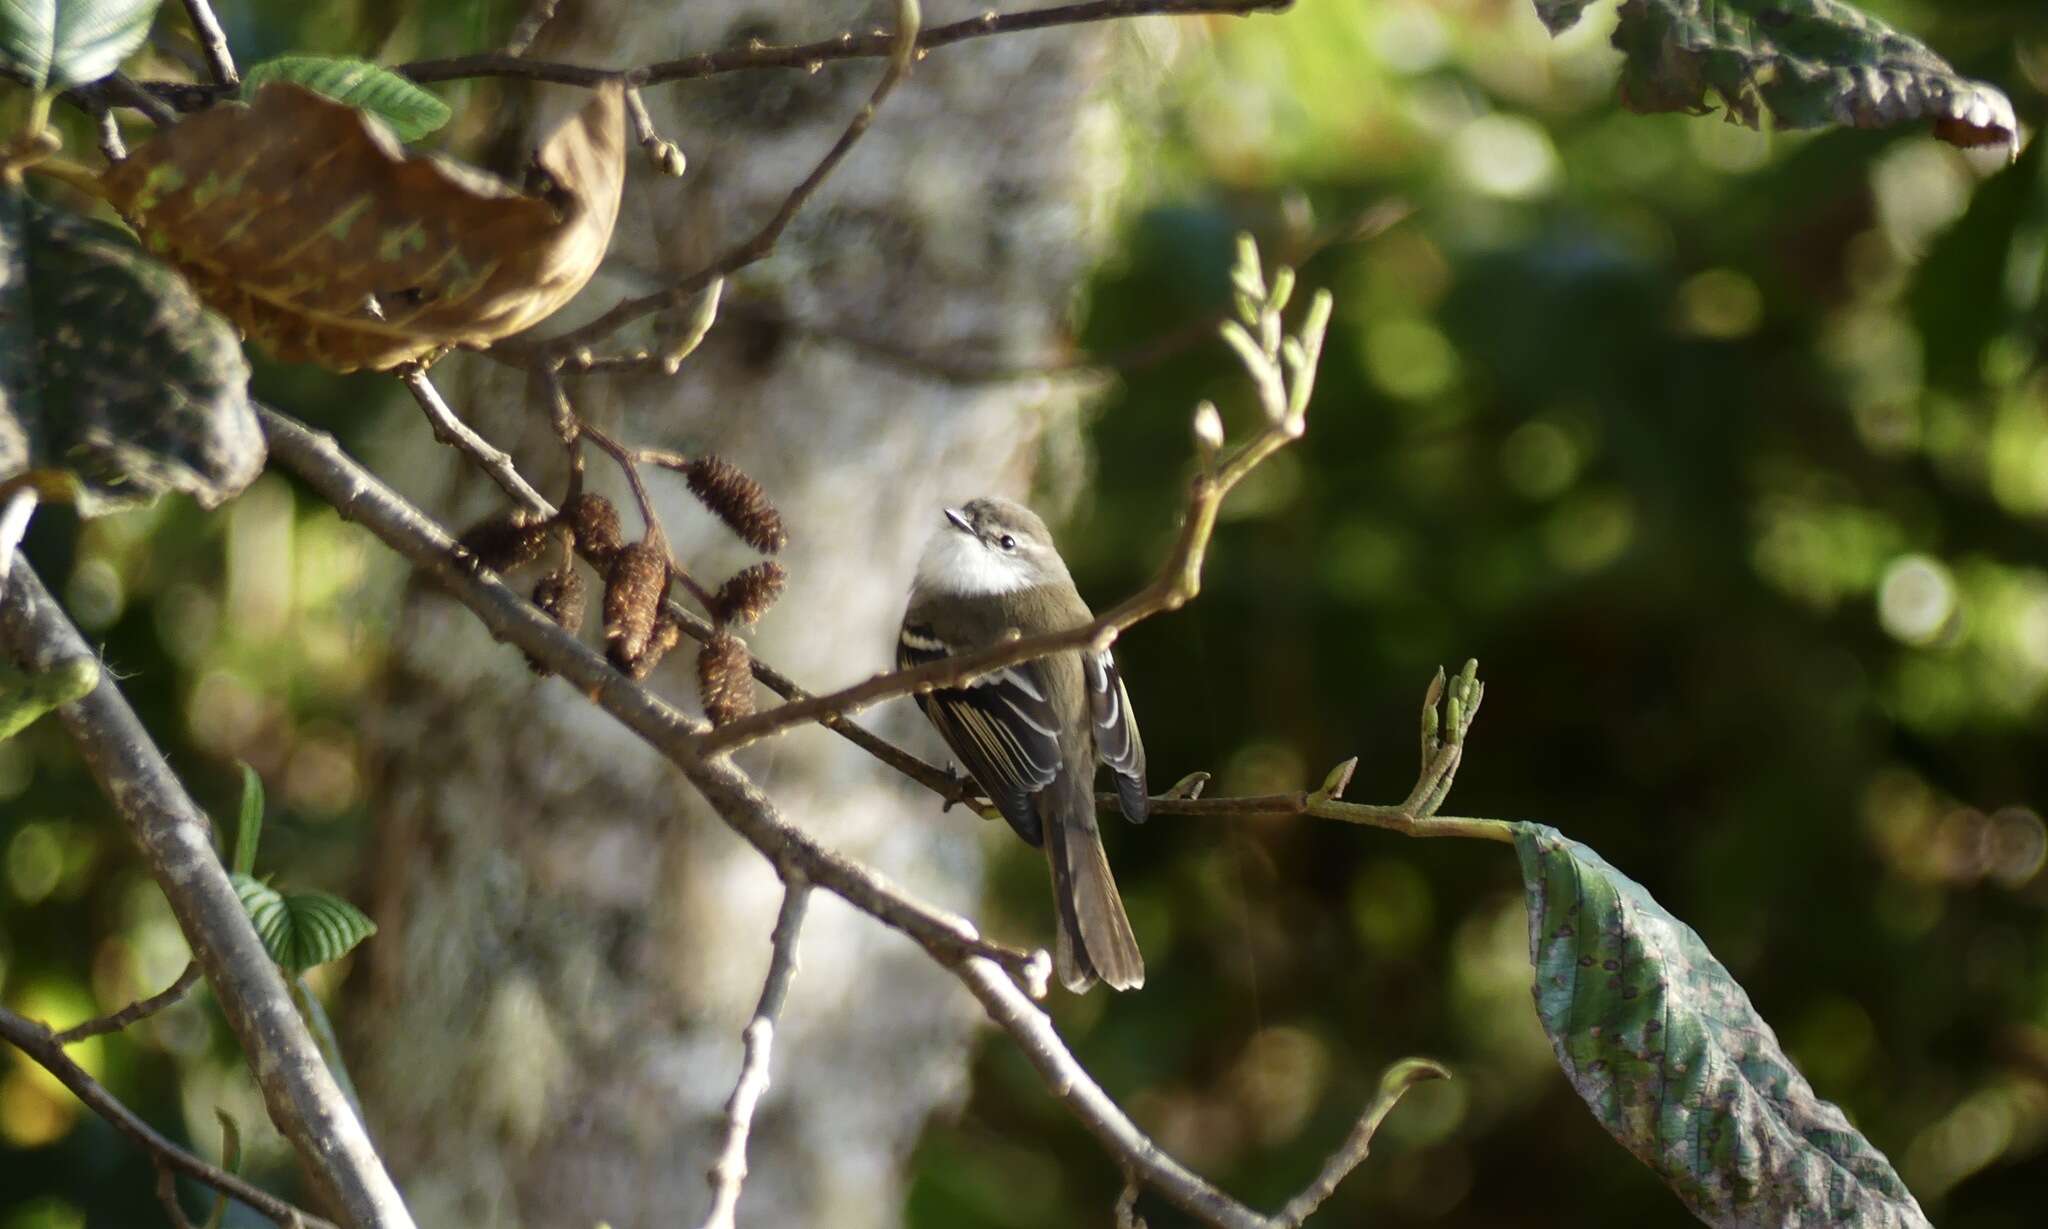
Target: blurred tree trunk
571,944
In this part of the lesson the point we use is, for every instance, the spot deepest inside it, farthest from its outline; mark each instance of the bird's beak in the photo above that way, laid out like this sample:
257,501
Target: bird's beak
959,519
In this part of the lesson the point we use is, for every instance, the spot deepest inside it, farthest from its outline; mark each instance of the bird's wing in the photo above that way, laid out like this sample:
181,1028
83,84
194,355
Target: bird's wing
1116,732
1001,725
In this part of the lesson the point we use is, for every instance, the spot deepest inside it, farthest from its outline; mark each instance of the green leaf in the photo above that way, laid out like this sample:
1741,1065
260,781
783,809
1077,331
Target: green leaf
249,824
301,930
411,111
1663,1045
26,697
111,373
57,44
1807,62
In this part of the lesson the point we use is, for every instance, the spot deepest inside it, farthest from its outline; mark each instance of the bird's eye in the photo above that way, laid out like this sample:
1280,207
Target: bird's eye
1007,542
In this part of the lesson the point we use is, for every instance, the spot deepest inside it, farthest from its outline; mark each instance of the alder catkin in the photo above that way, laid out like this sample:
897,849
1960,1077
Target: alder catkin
748,594
633,590
737,500
667,634
560,596
503,542
725,681
595,522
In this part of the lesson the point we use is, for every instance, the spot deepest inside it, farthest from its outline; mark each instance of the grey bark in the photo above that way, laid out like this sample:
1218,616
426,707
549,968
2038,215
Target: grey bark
570,946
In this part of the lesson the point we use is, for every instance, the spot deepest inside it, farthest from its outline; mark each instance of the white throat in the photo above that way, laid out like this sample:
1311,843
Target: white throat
956,564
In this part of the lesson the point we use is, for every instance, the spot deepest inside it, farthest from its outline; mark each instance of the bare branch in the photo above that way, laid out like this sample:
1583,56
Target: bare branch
730,1171
214,42
903,44
1395,1081
538,14
176,841
140,1009
494,461
810,56
41,1045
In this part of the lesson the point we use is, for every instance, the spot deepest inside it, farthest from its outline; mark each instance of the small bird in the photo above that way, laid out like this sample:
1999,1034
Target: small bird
1032,734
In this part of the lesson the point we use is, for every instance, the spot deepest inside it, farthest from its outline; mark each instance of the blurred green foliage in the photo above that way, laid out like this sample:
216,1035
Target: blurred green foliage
1725,453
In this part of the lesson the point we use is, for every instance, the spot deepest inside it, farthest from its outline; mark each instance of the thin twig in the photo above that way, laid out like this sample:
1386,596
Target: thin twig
762,241
729,1172
111,144
538,14
41,1045
810,56
214,42
1397,1080
140,1009
176,840
494,461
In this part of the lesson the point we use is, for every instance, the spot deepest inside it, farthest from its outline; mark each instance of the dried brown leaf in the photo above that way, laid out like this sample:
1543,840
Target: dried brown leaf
306,223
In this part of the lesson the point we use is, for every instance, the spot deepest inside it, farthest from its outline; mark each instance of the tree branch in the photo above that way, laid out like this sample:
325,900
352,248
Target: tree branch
1395,1081
729,1173
214,42
140,1009
176,841
903,44
810,56
494,461
46,1049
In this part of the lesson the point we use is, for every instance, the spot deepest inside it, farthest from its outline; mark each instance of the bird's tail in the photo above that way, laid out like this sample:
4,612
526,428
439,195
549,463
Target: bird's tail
1092,936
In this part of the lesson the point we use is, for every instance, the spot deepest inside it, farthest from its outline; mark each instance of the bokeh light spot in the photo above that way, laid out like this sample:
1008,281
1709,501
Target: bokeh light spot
1590,530
1505,156
1916,599
95,595
1539,459
1721,304
35,862
1409,358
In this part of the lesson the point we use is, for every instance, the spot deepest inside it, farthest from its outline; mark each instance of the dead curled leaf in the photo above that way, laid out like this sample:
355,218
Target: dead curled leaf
307,224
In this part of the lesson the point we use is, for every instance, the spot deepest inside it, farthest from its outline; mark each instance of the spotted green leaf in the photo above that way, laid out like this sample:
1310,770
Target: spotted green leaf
302,929
112,376
56,44
1667,1050
411,111
1807,62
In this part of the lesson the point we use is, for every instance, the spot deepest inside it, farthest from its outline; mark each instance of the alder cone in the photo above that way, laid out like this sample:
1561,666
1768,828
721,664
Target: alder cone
306,223
595,522
725,679
632,603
